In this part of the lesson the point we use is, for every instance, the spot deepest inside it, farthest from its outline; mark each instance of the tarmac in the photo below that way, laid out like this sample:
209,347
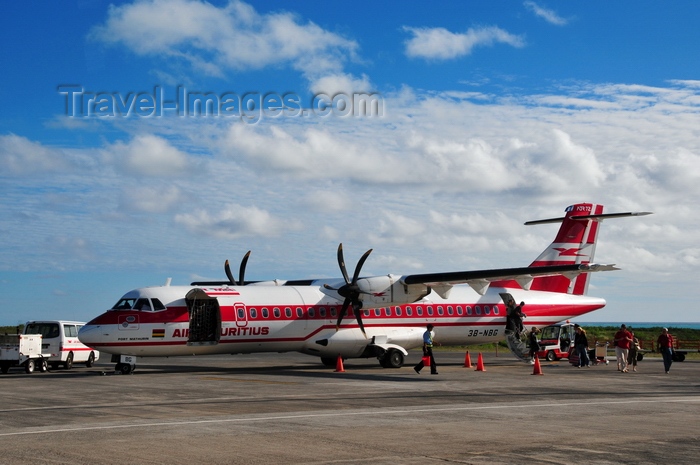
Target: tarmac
288,408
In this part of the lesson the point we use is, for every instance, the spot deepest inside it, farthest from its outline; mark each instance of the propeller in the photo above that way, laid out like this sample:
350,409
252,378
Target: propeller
350,290
241,271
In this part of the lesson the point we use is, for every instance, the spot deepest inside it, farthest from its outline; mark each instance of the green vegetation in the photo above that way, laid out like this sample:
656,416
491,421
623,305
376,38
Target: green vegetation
11,329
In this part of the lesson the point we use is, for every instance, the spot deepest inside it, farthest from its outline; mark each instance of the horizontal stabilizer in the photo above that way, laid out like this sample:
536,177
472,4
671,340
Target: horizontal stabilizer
600,217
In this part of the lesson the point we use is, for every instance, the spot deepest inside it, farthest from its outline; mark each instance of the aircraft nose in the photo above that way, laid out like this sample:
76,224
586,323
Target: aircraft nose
89,334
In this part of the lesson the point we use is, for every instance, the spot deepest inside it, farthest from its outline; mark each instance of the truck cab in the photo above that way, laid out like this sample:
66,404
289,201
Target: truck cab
556,341
60,341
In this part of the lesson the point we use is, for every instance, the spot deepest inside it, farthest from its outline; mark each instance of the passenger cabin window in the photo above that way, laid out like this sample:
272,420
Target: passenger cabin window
478,310
430,310
276,312
469,309
265,313
495,309
440,310
419,310
409,311
377,312
450,310
253,313
459,309
487,310
398,311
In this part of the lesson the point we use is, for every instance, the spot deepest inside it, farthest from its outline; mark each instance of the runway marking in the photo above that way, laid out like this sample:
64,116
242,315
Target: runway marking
373,412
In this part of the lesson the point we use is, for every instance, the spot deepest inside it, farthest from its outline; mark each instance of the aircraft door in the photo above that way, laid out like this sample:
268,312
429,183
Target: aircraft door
241,314
205,318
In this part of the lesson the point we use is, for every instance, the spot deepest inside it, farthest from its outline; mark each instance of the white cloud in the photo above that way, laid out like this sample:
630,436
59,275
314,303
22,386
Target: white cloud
20,156
546,14
233,222
148,155
440,44
215,40
151,199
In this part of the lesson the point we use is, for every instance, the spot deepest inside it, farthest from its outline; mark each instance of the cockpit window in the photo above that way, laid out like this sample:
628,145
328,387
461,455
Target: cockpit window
157,304
124,304
143,305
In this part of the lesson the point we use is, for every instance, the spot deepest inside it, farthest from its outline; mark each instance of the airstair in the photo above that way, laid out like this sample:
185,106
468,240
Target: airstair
517,346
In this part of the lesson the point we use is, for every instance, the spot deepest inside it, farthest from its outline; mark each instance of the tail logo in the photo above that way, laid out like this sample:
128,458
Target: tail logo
571,252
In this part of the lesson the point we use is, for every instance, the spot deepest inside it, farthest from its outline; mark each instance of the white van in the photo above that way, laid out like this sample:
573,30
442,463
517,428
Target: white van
60,339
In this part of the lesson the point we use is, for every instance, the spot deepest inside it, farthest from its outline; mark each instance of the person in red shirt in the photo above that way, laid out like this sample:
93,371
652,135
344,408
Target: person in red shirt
665,345
622,341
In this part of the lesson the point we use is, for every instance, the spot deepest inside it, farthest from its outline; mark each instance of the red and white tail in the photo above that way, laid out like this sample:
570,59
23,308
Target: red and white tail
574,244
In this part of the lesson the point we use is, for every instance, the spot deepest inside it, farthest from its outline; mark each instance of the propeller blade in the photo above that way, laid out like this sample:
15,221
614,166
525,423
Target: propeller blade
241,272
341,262
343,310
227,269
358,268
357,310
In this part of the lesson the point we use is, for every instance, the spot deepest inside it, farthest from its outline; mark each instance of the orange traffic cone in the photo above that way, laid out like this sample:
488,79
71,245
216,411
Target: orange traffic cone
480,363
339,365
538,369
467,361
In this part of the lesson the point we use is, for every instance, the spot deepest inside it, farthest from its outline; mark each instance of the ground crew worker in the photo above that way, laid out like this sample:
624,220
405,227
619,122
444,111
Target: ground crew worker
428,337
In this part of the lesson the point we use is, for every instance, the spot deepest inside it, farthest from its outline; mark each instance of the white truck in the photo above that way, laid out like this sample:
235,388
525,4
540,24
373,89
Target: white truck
22,350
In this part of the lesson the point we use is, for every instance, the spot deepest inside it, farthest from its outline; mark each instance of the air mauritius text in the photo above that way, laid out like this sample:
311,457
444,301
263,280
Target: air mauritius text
249,107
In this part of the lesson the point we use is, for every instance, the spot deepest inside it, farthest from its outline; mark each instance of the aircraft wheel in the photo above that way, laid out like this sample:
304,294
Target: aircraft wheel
392,359
91,360
329,361
29,366
125,368
551,356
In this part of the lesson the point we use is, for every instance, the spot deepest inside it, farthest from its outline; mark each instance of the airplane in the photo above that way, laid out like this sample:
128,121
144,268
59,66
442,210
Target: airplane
355,316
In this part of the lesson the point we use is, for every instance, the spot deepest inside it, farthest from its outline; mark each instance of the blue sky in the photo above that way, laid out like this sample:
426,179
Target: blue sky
491,117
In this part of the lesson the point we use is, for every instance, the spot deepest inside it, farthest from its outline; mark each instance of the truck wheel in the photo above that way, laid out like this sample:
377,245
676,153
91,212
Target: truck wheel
91,360
551,356
29,366
4,368
43,365
68,364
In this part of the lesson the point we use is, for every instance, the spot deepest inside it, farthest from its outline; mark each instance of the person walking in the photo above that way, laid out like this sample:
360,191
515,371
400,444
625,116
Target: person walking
581,346
634,350
428,337
534,344
665,345
622,342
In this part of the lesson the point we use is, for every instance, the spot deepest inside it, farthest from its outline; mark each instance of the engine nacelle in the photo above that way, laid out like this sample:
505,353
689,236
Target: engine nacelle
381,291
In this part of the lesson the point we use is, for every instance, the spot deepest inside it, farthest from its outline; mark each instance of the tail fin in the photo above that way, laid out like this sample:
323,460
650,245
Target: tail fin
574,244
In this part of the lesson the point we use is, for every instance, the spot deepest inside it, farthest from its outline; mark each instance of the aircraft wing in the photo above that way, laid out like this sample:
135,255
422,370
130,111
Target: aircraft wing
479,279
